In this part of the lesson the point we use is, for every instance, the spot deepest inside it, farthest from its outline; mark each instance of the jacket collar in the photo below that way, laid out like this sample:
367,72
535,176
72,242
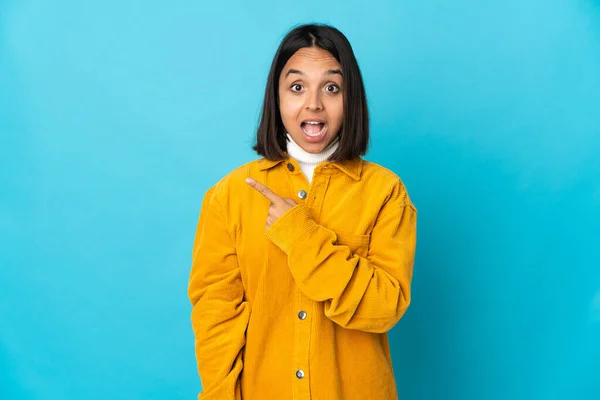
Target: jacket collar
352,168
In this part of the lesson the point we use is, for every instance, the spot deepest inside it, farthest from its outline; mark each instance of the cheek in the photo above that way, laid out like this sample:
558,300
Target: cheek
337,110
289,108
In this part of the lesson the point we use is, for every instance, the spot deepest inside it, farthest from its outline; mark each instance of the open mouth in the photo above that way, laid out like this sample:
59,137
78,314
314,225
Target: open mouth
313,128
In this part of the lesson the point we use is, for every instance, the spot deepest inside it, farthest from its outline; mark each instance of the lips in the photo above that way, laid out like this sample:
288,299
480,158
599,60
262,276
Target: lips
313,127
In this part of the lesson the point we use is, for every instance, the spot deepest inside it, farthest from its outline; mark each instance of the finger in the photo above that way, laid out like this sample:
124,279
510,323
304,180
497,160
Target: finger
265,191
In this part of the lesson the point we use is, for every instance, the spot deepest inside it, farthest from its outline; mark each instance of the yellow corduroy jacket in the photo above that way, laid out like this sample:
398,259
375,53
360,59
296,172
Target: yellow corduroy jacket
301,310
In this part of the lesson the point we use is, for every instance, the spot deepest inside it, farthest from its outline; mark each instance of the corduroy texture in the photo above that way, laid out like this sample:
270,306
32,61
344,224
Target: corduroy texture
344,256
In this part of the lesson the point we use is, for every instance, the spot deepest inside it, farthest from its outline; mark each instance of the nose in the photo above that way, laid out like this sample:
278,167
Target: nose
313,101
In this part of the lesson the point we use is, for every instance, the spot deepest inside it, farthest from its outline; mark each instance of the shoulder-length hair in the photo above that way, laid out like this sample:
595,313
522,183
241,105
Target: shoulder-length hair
271,141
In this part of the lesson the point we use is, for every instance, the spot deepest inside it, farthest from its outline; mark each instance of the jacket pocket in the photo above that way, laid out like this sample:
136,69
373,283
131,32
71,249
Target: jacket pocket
358,244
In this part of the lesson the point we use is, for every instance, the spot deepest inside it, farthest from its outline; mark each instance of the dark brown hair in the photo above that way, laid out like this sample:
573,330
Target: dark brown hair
354,134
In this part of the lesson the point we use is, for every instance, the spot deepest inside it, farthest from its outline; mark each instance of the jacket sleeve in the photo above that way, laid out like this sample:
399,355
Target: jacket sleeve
365,293
219,314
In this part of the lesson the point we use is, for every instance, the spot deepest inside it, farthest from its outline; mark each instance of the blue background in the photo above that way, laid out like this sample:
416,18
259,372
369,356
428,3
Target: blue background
115,117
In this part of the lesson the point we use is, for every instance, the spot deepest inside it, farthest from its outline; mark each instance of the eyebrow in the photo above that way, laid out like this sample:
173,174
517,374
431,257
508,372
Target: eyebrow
328,72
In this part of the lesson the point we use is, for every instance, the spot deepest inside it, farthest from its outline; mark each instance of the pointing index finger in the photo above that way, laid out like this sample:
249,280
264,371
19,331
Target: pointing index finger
265,191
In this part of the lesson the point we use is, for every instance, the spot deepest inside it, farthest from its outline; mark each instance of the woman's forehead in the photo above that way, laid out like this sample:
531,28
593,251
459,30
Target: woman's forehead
311,59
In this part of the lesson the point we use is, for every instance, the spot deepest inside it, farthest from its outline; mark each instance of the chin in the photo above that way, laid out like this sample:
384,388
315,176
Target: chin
314,151
314,148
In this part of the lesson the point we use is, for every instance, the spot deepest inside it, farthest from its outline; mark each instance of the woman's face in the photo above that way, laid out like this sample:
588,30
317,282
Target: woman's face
311,102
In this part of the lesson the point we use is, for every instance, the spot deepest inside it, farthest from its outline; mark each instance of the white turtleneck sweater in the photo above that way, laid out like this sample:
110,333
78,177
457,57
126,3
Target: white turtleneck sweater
308,161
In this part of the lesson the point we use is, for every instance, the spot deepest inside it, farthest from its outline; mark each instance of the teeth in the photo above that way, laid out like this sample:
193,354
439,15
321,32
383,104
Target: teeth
313,122
318,133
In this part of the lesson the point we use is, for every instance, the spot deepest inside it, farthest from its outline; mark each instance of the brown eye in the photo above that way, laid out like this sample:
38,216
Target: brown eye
332,88
296,87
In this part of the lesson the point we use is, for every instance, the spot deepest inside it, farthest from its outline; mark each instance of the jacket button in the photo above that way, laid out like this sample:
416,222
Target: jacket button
299,374
302,315
290,166
302,194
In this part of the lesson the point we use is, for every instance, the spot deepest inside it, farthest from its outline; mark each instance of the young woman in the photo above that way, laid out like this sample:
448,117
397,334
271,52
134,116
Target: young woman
303,258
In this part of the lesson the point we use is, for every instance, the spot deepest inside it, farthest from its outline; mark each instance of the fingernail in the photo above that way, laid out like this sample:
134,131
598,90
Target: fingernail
248,180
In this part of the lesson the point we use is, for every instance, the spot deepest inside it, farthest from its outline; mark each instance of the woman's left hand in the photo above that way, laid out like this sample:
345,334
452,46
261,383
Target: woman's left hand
278,206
